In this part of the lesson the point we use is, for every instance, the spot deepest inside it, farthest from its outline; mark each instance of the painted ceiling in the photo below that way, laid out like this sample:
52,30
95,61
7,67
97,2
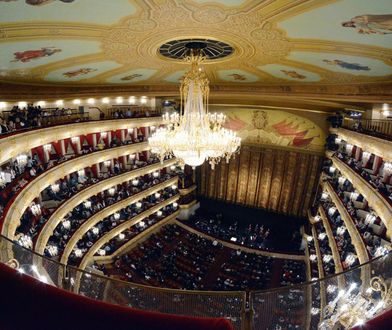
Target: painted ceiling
275,42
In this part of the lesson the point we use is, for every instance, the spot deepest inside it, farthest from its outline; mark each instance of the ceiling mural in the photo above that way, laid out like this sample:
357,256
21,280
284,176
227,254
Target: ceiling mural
80,72
132,76
127,42
289,72
239,76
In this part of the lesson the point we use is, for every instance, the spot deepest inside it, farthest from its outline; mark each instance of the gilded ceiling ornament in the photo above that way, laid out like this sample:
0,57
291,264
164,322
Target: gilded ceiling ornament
140,25
210,15
272,41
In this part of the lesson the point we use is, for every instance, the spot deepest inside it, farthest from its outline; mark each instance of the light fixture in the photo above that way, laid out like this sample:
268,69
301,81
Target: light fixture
52,250
130,130
95,230
105,100
131,100
366,155
157,195
78,253
75,139
55,187
104,135
22,104
116,216
21,159
76,101
66,224
155,174
175,205
309,238
195,135
174,187
142,223
387,168
143,100
87,204
25,241
3,105
107,163
91,101
121,236
132,156
135,182
59,103
111,191
342,180
138,205
119,100
312,257
349,148
47,147
101,252
159,213
81,172
41,103
385,109
322,236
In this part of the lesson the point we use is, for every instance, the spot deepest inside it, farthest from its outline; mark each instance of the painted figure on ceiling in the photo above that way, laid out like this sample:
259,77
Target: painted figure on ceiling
131,77
29,55
75,73
371,24
347,65
293,74
237,76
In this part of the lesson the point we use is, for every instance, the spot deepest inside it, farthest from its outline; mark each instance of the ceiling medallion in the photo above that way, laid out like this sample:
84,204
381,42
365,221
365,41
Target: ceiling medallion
195,135
180,49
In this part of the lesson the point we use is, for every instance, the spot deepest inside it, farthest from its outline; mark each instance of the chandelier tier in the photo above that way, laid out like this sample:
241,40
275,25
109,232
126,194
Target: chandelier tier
195,135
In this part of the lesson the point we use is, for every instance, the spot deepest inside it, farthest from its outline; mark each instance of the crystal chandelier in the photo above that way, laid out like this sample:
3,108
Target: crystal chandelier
195,135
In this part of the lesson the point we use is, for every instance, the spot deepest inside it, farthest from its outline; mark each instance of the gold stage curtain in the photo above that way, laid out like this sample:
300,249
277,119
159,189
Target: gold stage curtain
274,179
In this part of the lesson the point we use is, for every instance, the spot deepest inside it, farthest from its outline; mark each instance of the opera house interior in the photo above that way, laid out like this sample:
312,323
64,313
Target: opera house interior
196,164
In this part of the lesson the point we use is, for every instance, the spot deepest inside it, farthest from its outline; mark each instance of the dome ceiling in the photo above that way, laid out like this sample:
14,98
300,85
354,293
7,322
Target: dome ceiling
135,42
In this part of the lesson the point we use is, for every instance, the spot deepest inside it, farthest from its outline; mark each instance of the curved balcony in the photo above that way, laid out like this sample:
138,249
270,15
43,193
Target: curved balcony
93,220
25,196
331,240
261,306
374,145
356,238
84,194
11,146
375,200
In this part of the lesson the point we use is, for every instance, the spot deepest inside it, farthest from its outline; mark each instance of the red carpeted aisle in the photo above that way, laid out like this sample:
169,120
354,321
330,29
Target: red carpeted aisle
29,304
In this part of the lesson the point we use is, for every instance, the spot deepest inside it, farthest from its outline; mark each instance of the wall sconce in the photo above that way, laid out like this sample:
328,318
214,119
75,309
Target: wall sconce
66,224
175,205
174,187
135,182
21,159
132,156
172,167
309,238
75,139
157,195
87,204
322,236
55,187
90,101
111,191
159,213
138,205
78,253
155,174
312,257
121,236
95,230
47,147
107,163
142,223
105,100
116,216
101,252
119,100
